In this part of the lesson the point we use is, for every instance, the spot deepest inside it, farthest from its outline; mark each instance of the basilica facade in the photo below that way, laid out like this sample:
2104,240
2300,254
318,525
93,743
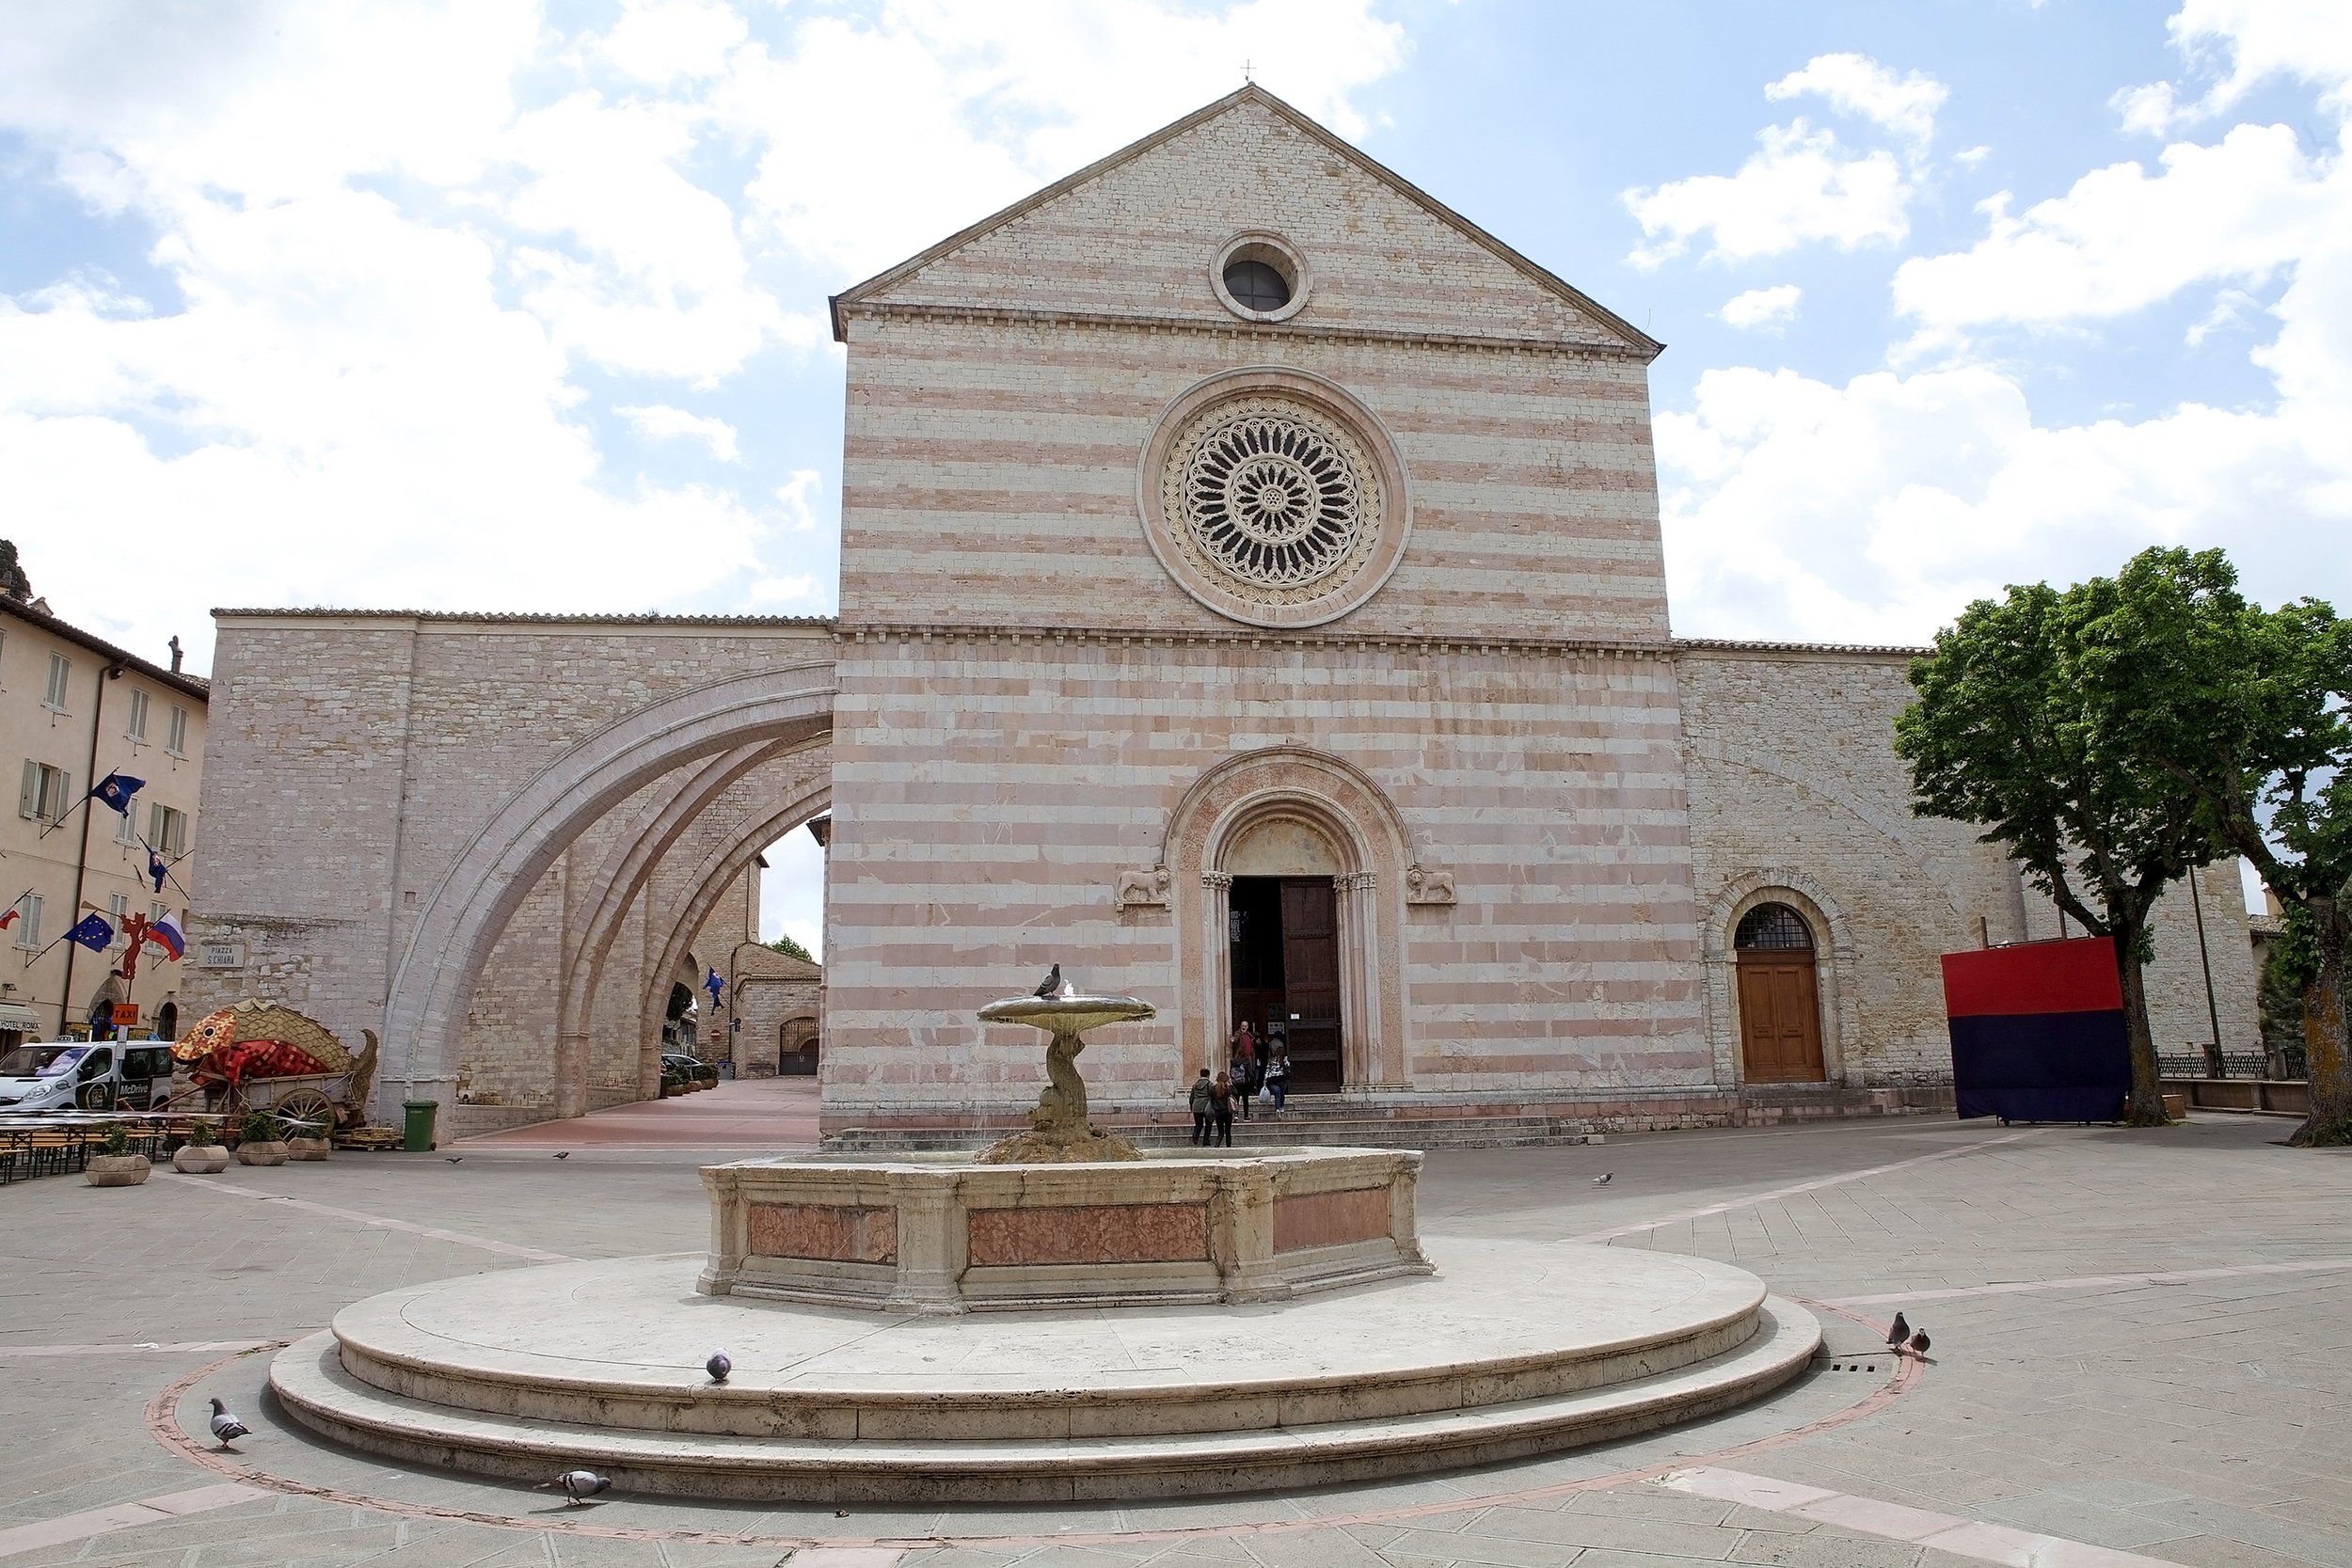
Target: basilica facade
1252,600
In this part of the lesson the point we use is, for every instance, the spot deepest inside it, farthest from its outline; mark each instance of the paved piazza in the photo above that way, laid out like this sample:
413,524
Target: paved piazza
2139,1356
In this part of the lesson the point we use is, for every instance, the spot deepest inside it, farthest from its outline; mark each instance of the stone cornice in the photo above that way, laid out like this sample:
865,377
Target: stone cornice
1238,330
1320,636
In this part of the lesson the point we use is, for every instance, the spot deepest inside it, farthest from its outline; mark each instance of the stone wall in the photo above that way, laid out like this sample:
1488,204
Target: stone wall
1797,797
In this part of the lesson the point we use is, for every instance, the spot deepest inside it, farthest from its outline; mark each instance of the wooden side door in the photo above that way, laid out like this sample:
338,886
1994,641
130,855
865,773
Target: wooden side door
1780,1017
1311,982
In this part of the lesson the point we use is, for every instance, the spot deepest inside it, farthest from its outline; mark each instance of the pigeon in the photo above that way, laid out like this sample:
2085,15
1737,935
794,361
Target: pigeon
718,1366
226,1429
1050,986
578,1486
1604,1179
453,1159
1919,1344
565,1155
1899,1332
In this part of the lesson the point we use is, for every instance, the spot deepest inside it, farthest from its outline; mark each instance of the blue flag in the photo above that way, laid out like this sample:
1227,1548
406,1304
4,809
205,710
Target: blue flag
157,869
115,790
94,933
714,986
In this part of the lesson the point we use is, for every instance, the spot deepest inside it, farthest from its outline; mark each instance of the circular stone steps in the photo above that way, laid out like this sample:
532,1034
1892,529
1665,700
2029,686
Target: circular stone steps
1513,1348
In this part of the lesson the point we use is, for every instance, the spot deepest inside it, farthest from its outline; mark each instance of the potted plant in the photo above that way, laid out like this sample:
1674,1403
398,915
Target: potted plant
307,1137
257,1140
118,1166
203,1154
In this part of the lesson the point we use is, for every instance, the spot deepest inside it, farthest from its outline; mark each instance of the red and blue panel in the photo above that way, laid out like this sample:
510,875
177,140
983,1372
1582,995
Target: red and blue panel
2038,1031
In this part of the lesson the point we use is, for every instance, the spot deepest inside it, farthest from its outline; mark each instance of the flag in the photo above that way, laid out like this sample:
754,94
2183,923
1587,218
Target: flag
9,918
115,790
95,933
166,934
157,869
714,986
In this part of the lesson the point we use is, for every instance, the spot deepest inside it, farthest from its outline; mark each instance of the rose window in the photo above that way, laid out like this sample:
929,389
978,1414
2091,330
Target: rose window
1274,496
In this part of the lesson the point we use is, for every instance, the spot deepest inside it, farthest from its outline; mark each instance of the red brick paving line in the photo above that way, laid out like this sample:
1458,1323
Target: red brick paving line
164,1425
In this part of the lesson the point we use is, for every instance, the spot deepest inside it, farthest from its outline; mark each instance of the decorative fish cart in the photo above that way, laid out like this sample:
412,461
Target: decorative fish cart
260,1057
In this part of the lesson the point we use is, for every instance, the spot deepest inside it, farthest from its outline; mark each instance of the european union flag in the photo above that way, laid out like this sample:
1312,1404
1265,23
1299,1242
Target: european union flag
94,933
115,790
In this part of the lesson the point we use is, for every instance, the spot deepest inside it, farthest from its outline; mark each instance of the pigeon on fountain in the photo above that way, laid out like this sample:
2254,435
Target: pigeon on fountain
1898,1332
718,1366
578,1486
226,1427
1050,986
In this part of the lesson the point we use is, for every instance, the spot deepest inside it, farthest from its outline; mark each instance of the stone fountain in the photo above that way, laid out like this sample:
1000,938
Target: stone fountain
1059,1317
1059,1131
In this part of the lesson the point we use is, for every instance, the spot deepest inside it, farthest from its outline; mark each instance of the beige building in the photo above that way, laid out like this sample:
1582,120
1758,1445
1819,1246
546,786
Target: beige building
74,708
1252,599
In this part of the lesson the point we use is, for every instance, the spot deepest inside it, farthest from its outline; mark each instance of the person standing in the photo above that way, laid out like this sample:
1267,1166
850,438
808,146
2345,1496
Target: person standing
1201,1108
1221,1109
1277,1078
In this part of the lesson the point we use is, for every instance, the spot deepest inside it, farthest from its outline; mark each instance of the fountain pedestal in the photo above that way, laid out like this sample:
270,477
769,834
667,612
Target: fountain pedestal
1059,1133
949,1236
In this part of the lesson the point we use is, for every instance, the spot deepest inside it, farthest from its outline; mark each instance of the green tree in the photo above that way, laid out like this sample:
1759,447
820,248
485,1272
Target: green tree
13,583
792,949
2003,733
2247,708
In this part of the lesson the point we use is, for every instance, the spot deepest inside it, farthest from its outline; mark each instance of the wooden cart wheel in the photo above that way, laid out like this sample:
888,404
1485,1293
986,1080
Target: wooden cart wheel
306,1105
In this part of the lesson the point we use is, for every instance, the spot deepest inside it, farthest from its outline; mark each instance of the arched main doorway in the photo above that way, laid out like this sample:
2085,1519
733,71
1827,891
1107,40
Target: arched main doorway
1780,1005
1282,921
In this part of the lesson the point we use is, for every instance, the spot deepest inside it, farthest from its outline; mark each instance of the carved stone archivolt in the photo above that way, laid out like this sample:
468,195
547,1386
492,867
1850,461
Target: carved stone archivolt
1274,498
1361,825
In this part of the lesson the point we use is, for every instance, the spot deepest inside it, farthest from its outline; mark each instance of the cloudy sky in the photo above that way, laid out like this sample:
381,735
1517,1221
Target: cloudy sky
502,305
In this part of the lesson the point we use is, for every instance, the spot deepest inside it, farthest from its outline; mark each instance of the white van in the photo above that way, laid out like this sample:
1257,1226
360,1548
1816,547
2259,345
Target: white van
103,1075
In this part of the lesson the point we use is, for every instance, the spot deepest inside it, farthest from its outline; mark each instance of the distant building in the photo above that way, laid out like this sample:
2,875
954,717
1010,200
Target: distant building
73,708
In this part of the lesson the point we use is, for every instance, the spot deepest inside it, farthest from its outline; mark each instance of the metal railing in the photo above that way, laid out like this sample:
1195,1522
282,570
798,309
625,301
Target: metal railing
2286,1064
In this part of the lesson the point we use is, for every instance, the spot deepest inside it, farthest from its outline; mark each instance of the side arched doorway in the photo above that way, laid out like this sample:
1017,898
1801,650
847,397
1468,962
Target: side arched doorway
1780,1003
796,1047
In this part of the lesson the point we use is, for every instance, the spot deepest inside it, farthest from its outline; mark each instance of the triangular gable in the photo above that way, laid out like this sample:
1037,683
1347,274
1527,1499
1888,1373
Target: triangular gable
987,263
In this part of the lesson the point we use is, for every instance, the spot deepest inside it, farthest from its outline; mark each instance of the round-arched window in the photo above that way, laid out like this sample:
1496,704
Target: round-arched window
1773,927
1257,286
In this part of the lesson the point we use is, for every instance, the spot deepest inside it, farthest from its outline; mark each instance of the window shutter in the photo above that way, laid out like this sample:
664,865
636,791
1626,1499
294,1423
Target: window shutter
156,824
65,796
28,799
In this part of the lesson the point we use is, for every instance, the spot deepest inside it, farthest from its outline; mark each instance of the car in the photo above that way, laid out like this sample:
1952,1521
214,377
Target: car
679,1062
99,1076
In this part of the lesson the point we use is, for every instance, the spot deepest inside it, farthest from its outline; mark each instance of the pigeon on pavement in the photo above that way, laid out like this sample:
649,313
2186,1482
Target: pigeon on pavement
453,1159
1050,986
565,1155
1919,1344
226,1429
578,1486
1604,1179
1899,1332
718,1366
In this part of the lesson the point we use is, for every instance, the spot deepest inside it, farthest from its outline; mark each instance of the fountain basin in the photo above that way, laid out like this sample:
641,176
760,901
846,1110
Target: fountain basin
945,1235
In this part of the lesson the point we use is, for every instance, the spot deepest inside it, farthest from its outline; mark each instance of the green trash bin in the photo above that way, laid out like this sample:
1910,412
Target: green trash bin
417,1138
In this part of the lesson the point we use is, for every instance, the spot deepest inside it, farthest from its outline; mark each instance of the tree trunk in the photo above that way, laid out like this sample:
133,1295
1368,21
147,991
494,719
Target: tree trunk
2324,1050
2146,1108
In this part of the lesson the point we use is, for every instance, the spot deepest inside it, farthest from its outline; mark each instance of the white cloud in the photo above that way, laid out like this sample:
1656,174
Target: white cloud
1969,157
2117,241
959,109
1858,85
369,375
1762,307
1873,511
658,422
1799,185
2309,40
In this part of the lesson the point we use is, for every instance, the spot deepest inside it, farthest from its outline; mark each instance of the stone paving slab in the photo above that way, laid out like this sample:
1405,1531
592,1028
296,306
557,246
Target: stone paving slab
2202,1421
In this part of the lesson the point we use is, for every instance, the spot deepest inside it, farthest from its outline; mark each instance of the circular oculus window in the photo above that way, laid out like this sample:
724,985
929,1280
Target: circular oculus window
1271,498
1261,277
